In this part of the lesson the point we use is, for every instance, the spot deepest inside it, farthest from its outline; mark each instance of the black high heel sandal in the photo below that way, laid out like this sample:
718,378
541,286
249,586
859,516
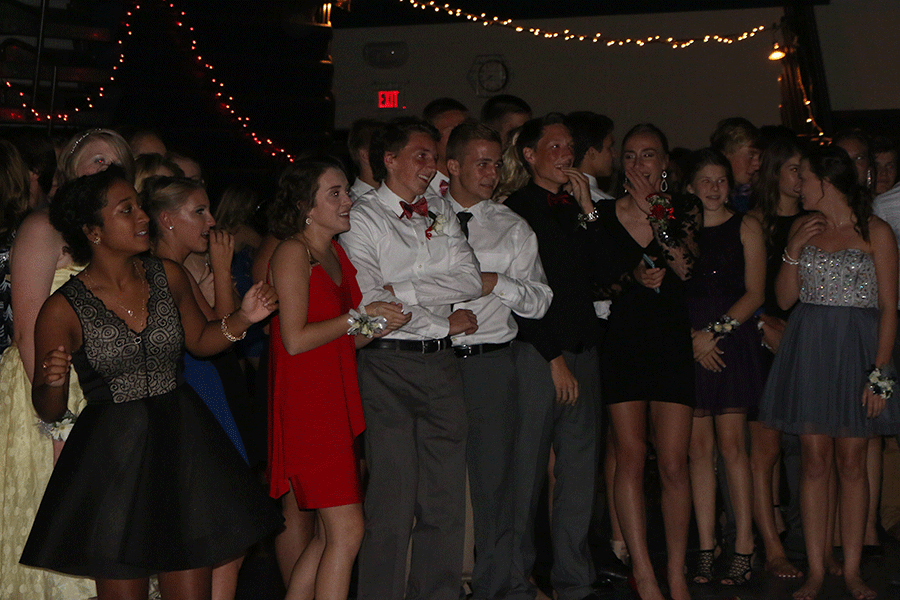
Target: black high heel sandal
703,572
740,571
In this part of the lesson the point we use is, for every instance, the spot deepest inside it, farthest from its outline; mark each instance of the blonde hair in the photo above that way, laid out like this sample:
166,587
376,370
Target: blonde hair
74,150
513,174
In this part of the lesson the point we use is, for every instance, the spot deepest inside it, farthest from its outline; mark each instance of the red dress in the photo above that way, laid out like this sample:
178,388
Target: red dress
315,411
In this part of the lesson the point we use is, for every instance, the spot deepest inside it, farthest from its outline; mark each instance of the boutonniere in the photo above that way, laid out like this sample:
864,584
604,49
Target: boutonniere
438,224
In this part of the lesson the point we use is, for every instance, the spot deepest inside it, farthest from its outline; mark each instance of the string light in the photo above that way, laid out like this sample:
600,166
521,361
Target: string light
224,100
566,35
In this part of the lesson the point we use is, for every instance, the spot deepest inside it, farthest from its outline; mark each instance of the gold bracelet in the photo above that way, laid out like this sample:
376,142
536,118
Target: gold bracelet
227,335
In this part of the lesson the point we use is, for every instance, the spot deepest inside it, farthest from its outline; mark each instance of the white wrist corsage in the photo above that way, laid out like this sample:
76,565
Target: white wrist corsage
58,430
880,383
724,326
362,324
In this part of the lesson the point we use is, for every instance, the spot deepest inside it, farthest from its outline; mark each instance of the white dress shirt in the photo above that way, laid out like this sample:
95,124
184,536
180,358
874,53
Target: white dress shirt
887,207
434,186
504,244
596,193
359,189
428,275
601,307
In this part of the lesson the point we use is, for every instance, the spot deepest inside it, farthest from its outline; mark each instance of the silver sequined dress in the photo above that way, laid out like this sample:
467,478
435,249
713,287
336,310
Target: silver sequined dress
816,383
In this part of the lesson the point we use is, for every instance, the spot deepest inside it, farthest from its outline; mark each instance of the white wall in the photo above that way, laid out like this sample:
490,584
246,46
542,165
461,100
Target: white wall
685,92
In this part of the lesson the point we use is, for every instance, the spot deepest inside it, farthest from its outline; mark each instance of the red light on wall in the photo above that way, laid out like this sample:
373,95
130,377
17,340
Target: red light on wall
388,98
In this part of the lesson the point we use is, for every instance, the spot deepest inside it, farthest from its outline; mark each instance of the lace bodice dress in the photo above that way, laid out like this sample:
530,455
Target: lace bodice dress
148,481
819,373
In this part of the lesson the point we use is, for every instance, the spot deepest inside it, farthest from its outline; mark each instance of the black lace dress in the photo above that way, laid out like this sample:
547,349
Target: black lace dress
647,353
148,481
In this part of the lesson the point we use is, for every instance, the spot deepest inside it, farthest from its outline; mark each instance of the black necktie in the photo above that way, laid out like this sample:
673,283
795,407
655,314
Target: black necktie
464,222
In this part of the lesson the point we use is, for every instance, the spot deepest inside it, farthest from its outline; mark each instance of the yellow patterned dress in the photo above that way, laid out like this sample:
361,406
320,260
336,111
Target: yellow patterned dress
26,461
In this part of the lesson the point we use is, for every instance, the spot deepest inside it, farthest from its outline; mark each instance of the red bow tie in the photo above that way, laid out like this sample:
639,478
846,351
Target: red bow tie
554,199
420,206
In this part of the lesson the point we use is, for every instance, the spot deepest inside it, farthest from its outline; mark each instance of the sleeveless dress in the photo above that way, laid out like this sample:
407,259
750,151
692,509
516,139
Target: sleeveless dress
147,482
718,283
314,403
819,374
26,462
647,353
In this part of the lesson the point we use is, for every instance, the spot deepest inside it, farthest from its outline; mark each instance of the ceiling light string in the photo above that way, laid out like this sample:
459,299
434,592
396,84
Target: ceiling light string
225,101
567,35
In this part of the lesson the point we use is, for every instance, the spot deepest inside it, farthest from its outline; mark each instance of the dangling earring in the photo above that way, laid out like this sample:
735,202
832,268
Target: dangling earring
664,186
869,179
308,221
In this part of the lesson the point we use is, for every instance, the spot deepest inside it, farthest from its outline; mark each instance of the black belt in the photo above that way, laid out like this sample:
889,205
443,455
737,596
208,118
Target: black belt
476,349
420,346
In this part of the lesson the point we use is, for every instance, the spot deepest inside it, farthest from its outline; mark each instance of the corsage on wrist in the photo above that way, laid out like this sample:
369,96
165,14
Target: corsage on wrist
880,383
58,430
585,218
661,211
362,324
723,327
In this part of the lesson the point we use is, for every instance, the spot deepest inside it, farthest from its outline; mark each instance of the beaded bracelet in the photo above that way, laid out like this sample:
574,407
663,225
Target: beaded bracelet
724,326
786,258
363,324
880,384
58,430
227,334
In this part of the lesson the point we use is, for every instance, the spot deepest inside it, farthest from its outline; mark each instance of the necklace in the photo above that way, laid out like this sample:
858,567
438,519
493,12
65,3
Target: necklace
142,314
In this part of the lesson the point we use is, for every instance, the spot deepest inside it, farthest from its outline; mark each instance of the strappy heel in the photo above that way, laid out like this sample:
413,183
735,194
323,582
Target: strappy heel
740,571
703,572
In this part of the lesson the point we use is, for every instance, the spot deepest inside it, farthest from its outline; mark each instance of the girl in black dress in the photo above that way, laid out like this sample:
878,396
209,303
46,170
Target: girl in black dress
647,362
147,482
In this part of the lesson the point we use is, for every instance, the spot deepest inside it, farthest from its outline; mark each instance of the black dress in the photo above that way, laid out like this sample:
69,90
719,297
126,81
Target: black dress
148,481
647,353
718,283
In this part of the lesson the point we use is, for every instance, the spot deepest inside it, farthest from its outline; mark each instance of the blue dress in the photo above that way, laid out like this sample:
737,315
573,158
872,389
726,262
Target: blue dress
816,383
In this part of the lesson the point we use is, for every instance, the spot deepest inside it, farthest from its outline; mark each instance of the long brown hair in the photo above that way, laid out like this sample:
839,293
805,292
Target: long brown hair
767,191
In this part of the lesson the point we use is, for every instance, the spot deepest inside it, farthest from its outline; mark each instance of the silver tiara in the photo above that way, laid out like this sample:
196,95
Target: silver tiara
87,133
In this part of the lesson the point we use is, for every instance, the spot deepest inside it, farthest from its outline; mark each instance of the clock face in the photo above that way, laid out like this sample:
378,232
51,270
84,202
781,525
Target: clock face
492,75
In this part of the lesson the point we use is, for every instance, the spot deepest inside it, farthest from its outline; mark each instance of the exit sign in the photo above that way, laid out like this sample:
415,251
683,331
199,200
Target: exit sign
388,98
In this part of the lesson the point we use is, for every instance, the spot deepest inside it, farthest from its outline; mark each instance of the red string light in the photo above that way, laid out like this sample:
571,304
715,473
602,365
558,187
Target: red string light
224,106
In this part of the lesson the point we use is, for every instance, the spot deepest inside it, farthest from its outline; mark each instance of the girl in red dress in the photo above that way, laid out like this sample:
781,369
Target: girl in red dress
315,412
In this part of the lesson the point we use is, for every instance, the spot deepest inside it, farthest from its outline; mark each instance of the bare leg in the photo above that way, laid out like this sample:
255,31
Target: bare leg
299,529
224,579
617,541
703,486
342,528
832,538
629,422
193,584
873,469
733,447
764,451
818,455
850,458
122,589
672,436
302,585
765,446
